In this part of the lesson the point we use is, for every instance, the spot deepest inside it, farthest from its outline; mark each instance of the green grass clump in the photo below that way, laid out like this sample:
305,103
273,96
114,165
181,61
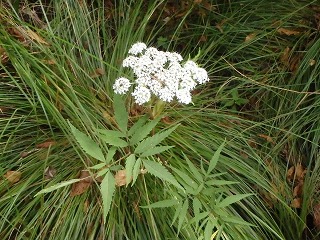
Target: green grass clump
59,61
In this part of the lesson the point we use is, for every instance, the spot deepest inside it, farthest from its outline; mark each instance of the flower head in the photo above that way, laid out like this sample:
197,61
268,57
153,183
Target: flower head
137,48
121,85
141,95
162,74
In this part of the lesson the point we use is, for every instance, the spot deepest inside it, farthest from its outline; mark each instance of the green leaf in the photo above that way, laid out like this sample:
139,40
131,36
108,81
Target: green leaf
196,206
215,158
216,182
57,186
110,154
143,131
103,172
142,120
151,142
155,150
120,113
162,204
208,230
185,178
235,94
183,214
112,133
114,141
231,199
136,171
198,217
161,172
98,166
87,144
193,169
108,187
236,220
177,212
130,161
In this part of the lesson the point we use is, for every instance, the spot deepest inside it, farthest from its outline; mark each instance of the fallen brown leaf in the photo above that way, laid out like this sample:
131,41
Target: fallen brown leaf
82,186
288,32
250,37
46,144
49,172
13,176
49,61
34,36
290,174
316,216
97,73
296,203
297,191
300,172
266,137
244,155
86,206
120,178
285,56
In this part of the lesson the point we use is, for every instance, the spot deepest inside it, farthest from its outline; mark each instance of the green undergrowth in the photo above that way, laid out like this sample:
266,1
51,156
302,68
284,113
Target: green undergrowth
59,60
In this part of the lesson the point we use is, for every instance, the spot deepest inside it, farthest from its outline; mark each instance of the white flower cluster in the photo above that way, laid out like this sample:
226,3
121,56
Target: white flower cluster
161,74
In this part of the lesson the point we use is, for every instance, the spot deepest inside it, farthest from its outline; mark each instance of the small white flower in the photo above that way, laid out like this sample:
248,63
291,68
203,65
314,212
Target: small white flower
174,57
190,66
188,83
183,96
137,48
201,76
121,85
130,61
166,95
141,95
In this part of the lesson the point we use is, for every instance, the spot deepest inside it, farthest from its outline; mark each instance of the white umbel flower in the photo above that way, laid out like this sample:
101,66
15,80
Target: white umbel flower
184,96
121,85
160,74
141,95
137,48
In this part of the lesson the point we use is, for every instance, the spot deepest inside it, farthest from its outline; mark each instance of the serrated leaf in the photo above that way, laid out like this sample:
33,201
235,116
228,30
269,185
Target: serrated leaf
185,178
208,230
216,182
151,142
177,212
87,144
142,120
193,169
136,171
183,214
114,141
102,172
110,154
196,204
236,220
215,158
155,150
112,133
231,199
130,161
143,131
161,172
108,187
98,166
57,186
162,204
198,217
120,113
